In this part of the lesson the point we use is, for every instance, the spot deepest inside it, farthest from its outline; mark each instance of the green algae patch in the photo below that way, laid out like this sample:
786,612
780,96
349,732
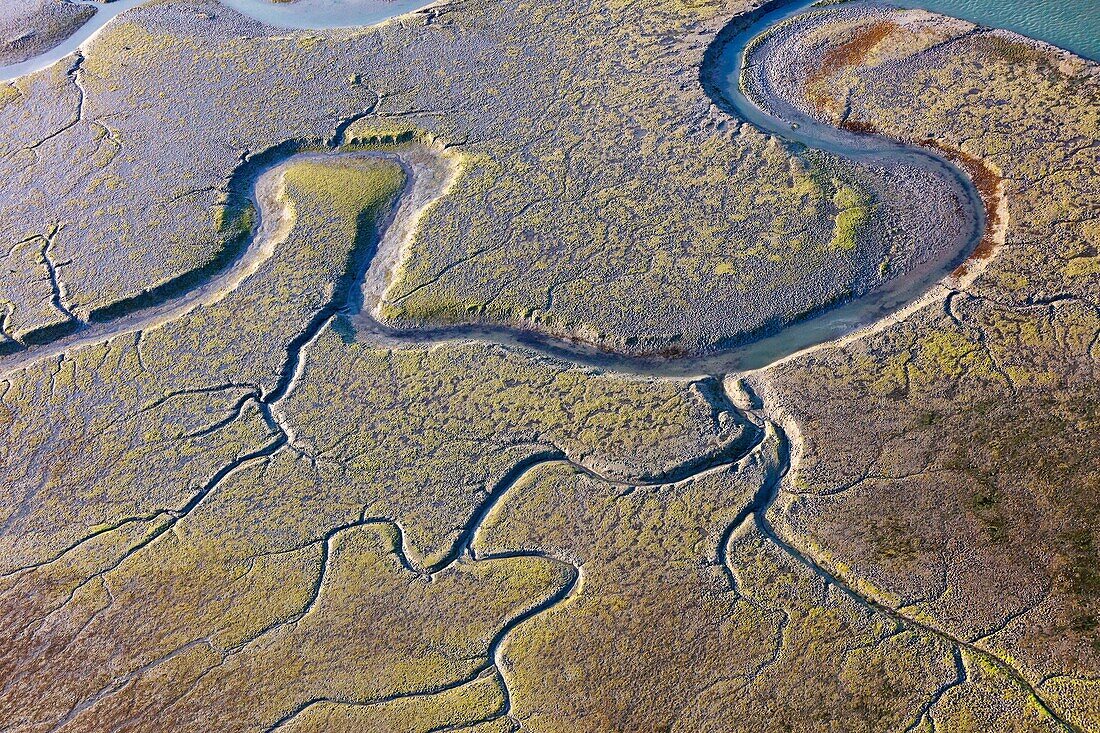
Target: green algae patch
8,93
951,459
234,223
347,190
375,133
854,213
459,706
1081,266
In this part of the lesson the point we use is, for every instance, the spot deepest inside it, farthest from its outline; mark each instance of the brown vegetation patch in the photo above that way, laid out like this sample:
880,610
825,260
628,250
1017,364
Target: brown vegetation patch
990,187
987,180
850,53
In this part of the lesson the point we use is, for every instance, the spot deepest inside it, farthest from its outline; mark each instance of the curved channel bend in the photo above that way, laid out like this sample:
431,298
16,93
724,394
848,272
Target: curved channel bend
430,174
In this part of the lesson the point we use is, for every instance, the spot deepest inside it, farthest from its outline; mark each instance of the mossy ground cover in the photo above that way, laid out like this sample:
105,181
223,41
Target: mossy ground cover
661,584
950,466
251,515
602,197
31,27
229,531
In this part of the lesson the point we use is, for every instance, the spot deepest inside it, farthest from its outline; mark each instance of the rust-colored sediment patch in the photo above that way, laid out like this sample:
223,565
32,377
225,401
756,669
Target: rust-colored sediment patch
990,187
850,53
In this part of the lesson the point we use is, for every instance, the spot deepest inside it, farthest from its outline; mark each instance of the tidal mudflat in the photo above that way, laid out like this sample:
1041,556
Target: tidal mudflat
550,367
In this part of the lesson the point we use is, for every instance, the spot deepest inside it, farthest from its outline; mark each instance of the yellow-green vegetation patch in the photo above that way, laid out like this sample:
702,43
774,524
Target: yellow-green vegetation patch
346,191
8,93
989,700
476,410
281,513
853,213
464,705
949,462
227,490
606,192
1080,266
660,583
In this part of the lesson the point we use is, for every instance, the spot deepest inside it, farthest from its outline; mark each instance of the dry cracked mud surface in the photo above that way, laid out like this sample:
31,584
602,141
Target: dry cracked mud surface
342,375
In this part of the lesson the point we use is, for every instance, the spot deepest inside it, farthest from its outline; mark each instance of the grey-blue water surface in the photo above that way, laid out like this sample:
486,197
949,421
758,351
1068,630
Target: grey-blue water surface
316,14
1071,24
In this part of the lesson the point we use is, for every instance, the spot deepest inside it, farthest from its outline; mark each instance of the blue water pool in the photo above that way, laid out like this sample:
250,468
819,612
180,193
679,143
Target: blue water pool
1071,24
